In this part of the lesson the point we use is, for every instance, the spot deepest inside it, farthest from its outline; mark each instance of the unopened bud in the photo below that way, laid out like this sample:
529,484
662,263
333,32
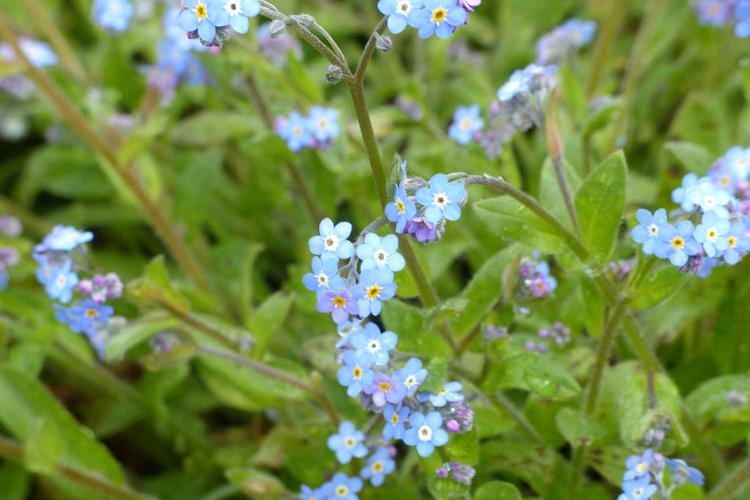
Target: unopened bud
277,28
305,20
334,74
383,43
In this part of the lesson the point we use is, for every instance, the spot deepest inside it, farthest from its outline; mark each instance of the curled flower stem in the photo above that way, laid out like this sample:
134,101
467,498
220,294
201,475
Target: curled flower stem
11,450
276,374
731,485
168,235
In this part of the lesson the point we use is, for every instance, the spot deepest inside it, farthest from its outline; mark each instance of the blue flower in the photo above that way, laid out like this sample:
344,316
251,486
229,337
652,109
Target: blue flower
677,243
714,12
237,14
708,197
425,432
84,316
380,253
342,487
201,15
441,199
395,421
400,13
324,275
466,124
3,279
113,14
679,195
638,466
372,345
441,17
39,53
323,124
412,375
61,281
517,84
647,232
402,208
339,303
738,244
637,489
379,465
737,160
742,13
346,330
308,493
712,233
385,389
449,393
682,472
348,443
63,239
295,130
356,374
375,286
332,240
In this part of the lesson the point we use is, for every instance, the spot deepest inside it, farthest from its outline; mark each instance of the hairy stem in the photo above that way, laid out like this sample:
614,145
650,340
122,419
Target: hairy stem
96,483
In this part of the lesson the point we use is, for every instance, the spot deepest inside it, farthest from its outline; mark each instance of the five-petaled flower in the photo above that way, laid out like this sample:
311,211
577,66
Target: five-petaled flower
332,240
442,199
426,432
347,443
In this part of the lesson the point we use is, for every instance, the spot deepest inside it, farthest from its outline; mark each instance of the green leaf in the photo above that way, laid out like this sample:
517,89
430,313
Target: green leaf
408,323
464,447
136,332
692,157
577,429
657,287
268,319
497,490
600,204
446,489
15,480
43,448
212,128
156,287
179,354
437,375
256,483
514,222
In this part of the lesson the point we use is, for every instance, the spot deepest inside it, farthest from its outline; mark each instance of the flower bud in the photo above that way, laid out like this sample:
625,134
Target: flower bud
277,28
334,74
383,43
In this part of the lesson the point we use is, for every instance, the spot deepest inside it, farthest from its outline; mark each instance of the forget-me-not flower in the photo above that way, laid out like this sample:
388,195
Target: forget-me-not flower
677,243
712,233
113,14
395,421
324,275
202,16
332,240
467,122
373,345
375,286
439,17
379,465
412,375
441,199
340,303
400,13
347,443
380,253
426,432
449,393
647,232
356,374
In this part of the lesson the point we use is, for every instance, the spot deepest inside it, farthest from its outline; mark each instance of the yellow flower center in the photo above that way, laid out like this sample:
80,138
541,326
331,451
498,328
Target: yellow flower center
339,301
357,372
342,491
350,442
201,11
732,241
377,466
394,419
711,234
465,123
678,242
439,15
384,386
724,180
91,313
373,292
400,206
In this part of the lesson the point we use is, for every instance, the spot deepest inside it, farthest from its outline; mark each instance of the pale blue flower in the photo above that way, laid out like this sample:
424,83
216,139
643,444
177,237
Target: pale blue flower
324,275
347,443
712,233
647,232
375,287
332,241
395,421
677,243
441,199
114,15
380,253
356,374
400,13
439,17
426,432
373,345
467,123
379,465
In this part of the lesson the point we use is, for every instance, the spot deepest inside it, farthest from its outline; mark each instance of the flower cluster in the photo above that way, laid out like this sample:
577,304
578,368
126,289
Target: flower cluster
712,226
724,12
211,20
558,333
368,357
564,41
535,278
60,256
10,227
317,130
429,17
113,15
420,208
175,61
645,476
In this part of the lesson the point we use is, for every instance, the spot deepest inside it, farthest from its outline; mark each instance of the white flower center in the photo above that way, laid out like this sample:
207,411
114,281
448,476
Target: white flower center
322,279
373,346
709,201
381,257
410,381
61,280
322,124
342,491
425,433
712,234
232,7
297,131
403,7
350,442
331,242
653,230
440,200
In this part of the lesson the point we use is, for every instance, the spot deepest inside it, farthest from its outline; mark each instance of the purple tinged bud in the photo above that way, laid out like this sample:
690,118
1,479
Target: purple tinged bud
442,472
453,426
10,226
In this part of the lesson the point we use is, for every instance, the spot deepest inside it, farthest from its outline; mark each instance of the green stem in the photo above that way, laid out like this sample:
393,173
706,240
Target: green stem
154,213
615,15
11,450
197,323
364,60
732,484
554,146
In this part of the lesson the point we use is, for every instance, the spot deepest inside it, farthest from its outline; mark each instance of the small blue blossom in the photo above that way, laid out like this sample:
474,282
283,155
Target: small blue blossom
323,124
412,375
563,42
379,465
712,233
637,489
738,244
380,253
682,472
346,330
467,123
395,421
440,17
737,160
517,84
339,303
356,374
342,487
61,281
3,279
426,432
708,197
638,465
237,14
332,240
742,13
374,346
347,443
714,12
63,239
324,275
449,393
375,286
441,199
201,16
84,316
647,232
402,208
39,53
308,493
679,195
385,389
114,15
677,243
295,130
400,13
